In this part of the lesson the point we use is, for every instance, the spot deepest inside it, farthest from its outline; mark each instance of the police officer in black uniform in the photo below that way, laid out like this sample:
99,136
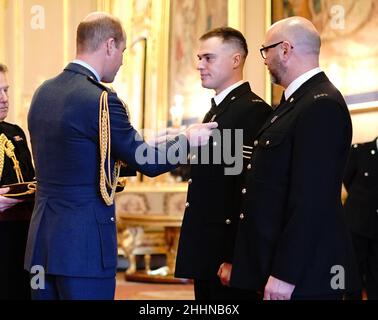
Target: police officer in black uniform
361,209
15,165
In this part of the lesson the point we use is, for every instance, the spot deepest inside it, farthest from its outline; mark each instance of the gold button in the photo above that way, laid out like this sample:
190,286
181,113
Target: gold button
187,205
242,216
190,181
249,167
228,221
256,143
244,191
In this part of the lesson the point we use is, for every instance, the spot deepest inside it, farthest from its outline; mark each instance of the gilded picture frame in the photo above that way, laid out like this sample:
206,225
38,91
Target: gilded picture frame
189,20
349,53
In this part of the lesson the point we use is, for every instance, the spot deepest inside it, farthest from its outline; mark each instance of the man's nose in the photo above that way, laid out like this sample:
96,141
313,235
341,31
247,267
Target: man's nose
200,65
3,96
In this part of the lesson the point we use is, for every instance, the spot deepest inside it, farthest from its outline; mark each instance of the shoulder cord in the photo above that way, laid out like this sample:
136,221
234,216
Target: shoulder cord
7,148
107,180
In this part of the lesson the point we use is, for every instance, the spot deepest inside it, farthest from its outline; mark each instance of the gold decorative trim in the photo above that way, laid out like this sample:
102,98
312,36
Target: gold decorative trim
66,32
268,22
236,14
18,69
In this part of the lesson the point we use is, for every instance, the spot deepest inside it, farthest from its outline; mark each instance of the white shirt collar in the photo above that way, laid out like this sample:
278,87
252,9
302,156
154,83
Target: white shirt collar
220,97
294,86
87,66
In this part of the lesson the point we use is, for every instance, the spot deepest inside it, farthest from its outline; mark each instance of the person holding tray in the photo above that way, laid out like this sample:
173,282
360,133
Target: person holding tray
15,211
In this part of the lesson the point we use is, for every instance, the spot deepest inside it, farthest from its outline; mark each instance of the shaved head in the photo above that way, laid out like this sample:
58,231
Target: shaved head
298,31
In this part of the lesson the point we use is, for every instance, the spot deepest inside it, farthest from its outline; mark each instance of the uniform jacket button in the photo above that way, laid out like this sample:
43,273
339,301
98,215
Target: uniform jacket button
112,219
228,221
249,167
366,174
242,216
187,205
190,181
256,143
244,191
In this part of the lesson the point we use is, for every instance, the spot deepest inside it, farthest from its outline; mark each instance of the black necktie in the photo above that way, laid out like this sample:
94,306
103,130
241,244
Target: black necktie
209,115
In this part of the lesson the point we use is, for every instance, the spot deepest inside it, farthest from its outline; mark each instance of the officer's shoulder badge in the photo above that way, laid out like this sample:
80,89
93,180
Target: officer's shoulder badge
320,95
355,146
18,138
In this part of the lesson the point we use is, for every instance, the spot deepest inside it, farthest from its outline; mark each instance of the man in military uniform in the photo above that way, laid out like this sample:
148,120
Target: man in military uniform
361,209
15,166
81,136
210,220
292,241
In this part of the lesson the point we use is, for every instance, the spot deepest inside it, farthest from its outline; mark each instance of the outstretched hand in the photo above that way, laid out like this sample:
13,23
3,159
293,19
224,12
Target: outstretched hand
199,134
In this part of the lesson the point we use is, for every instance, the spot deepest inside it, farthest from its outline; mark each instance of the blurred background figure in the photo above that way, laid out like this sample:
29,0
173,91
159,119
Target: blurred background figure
361,209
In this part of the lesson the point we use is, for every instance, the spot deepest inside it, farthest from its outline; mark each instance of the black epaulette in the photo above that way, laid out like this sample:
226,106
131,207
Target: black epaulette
99,84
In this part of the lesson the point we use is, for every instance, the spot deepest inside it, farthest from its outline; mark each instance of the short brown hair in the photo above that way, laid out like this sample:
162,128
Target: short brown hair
91,34
3,68
229,35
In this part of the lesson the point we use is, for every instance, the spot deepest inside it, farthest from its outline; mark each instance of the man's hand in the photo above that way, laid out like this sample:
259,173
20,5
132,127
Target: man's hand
199,134
6,203
224,273
276,289
163,135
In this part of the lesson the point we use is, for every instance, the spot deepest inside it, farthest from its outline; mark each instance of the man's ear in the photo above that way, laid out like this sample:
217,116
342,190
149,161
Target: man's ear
287,49
236,60
110,46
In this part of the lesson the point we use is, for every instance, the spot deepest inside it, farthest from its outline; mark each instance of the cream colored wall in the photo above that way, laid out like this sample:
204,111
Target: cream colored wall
255,26
38,40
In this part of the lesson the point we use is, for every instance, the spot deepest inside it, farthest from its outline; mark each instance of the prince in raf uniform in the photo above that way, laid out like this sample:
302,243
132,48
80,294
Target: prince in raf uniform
80,134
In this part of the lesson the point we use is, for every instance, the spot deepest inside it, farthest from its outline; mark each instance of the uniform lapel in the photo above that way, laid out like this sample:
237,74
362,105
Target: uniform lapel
231,97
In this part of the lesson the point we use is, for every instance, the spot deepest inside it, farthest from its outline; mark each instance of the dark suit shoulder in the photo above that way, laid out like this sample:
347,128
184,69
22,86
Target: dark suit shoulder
11,129
98,84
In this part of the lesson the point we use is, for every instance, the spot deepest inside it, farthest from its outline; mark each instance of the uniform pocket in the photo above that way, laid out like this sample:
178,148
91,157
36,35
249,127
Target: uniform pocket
106,223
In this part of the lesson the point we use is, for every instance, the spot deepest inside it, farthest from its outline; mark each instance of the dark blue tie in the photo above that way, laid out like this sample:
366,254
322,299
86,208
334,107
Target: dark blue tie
209,115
